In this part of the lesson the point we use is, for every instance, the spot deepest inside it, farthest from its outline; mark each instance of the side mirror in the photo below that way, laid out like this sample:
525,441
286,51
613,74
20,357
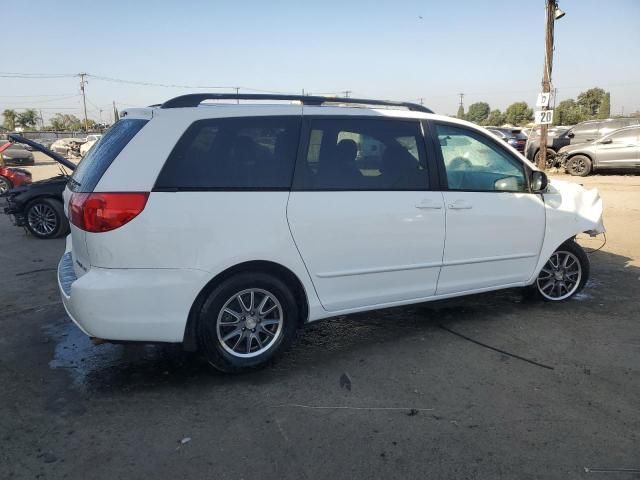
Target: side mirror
507,184
571,134
606,141
539,181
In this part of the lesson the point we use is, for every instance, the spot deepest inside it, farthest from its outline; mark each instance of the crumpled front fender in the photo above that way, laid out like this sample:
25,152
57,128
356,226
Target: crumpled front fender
570,210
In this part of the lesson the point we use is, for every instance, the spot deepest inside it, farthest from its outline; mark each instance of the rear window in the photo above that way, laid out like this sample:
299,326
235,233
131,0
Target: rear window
99,158
233,154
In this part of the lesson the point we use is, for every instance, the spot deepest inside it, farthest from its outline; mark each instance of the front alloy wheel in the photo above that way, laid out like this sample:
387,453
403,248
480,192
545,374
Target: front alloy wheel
564,274
45,218
579,166
42,220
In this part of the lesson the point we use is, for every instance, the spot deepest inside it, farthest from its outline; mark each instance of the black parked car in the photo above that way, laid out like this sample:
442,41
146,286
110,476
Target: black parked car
513,136
581,133
39,206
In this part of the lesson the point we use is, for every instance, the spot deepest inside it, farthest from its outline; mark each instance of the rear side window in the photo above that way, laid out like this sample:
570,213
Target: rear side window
625,136
363,154
97,161
233,153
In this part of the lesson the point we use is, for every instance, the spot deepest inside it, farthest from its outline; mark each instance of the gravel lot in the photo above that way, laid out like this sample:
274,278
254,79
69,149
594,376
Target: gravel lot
403,394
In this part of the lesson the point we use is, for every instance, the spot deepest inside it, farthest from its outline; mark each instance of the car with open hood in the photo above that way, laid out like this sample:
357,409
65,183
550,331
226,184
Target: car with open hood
38,206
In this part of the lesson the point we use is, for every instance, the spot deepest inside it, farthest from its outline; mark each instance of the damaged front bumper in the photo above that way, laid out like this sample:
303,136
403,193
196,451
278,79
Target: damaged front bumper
15,212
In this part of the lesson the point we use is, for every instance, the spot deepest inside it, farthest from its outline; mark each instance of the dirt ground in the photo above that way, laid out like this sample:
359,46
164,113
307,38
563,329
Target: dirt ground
399,393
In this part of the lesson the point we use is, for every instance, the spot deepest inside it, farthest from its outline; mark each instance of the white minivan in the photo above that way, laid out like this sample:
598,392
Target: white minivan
228,226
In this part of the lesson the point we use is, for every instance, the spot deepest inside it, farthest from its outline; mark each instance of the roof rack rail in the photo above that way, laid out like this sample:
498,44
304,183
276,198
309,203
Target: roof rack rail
194,99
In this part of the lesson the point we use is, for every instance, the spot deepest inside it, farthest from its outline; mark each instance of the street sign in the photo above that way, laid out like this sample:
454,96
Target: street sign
544,98
543,117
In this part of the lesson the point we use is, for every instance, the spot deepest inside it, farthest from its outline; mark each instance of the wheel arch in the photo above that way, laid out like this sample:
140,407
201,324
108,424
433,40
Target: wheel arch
547,251
263,266
44,196
574,154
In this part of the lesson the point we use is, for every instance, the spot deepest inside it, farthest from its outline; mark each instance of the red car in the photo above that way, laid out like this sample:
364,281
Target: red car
11,177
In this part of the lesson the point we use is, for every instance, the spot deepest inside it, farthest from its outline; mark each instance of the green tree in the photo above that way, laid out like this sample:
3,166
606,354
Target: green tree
605,107
478,112
66,121
9,119
495,118
590,101
567,113
518,113
57,122
460,114
27,119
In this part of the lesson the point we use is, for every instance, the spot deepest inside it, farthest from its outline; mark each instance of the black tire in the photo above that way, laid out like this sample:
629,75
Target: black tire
5,184
219,353
571,247
54,211
551,153
579,166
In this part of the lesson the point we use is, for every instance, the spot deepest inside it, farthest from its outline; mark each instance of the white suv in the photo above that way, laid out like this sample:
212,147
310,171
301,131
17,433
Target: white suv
228,226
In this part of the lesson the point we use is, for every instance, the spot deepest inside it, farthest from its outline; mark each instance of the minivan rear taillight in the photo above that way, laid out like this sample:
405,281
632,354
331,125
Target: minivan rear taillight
102,212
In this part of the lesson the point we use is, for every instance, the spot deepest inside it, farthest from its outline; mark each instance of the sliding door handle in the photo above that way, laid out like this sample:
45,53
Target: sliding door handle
460,205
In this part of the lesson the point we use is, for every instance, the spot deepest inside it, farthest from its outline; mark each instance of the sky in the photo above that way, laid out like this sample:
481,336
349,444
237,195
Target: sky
491,50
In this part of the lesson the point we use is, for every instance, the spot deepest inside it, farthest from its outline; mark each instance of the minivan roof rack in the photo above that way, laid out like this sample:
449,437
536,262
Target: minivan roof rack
194,99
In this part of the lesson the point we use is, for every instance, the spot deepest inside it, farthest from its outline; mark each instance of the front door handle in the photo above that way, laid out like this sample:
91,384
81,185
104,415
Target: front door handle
429,204
460,205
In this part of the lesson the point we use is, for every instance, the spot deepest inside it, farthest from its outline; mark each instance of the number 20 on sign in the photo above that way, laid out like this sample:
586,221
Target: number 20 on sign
544,117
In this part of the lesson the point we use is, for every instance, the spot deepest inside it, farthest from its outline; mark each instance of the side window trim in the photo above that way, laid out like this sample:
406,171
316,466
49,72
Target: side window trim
442,171
437,172
305,138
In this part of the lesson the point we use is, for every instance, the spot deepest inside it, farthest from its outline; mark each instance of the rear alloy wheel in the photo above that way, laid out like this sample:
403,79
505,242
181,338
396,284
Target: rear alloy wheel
565,273
45,218
5,185
246,321
579,166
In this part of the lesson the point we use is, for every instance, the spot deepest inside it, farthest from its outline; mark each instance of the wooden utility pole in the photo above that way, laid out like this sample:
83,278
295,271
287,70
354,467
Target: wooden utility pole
546,76
83,82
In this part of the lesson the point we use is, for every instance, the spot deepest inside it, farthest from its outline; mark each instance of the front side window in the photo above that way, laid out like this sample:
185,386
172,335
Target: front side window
586,129
363,154
626,136
233,153
474,162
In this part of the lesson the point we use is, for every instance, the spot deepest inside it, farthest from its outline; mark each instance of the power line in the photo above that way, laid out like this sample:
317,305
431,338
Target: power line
51,100
35,75
173,85
34,96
